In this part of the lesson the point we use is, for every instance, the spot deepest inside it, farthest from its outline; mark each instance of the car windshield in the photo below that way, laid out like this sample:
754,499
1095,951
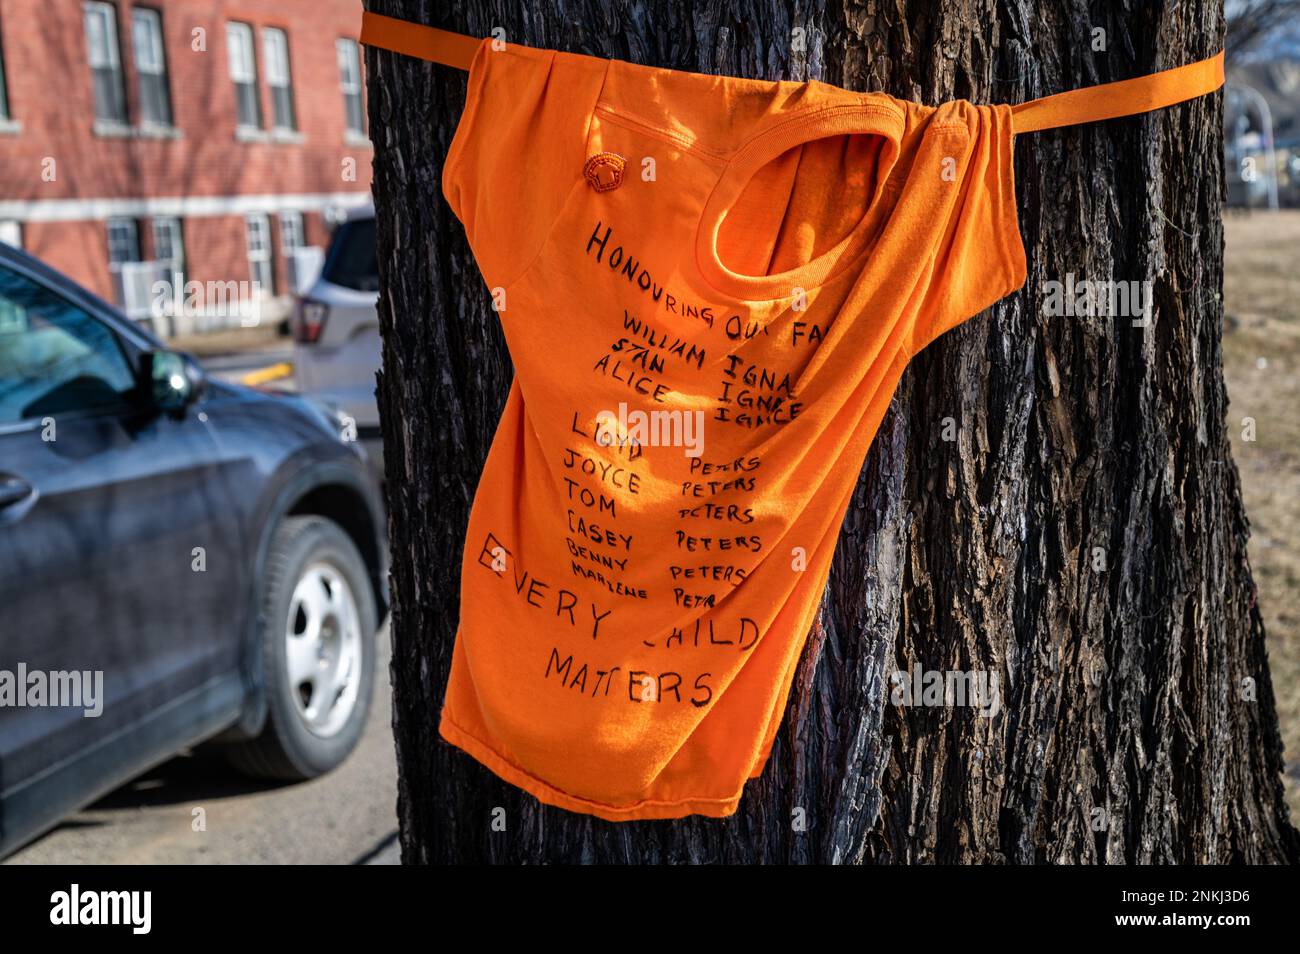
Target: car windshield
351,260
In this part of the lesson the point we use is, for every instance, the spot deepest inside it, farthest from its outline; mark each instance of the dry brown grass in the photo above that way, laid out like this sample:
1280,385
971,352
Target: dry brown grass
1261,347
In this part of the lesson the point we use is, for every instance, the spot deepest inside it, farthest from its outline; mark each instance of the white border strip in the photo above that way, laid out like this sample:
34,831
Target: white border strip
84,210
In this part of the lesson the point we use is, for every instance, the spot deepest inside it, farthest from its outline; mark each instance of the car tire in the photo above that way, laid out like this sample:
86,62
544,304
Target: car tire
318,622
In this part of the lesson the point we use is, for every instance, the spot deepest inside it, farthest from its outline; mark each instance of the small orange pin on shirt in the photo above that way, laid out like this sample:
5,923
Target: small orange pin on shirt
604,171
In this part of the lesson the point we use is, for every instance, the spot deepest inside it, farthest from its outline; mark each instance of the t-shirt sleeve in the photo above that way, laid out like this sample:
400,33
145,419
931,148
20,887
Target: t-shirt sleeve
979,257
518,151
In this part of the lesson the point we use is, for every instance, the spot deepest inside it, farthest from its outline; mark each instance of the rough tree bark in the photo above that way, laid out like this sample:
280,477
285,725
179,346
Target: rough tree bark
1083,536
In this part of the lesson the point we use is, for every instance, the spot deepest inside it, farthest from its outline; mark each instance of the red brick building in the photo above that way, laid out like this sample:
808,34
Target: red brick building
211,137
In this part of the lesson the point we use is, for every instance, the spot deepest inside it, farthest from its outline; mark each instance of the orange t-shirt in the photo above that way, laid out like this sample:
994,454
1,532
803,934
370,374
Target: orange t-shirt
710,287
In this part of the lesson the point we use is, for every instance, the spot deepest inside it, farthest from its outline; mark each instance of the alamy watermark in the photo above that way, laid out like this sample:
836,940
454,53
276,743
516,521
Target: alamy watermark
133,909
683,429
1090,299
213,299
976,688
56,689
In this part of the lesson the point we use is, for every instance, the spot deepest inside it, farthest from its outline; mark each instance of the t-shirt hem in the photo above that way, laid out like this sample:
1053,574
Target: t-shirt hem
645,810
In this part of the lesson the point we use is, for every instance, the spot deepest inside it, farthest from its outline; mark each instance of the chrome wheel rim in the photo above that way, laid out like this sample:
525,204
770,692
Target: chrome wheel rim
323,649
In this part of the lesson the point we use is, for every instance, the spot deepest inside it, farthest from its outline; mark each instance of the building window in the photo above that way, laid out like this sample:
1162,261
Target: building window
123,243
301,263
169,247
105,62
257,231
243,73
151,67
292,236
350,81
4,86
275,51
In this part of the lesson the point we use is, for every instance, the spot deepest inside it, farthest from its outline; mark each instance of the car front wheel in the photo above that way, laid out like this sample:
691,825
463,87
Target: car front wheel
318,651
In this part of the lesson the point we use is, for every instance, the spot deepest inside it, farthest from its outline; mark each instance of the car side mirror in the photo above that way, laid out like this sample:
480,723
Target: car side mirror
171,380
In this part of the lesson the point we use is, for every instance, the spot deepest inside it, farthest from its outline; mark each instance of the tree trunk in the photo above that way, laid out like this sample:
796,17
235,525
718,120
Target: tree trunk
1051,499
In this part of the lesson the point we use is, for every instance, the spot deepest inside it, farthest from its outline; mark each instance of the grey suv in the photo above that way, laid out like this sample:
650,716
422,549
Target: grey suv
336,329
181,561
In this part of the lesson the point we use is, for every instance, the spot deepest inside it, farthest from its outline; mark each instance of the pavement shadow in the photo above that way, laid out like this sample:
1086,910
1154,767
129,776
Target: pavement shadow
185,779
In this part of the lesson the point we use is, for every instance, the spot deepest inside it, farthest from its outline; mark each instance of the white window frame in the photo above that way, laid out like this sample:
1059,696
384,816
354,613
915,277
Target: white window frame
293,232
259,258
349,60
151,60
109,58
169,224
240,47
279,74
125,224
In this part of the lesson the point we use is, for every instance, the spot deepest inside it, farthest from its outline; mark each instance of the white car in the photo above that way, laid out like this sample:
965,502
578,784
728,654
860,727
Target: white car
335,329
